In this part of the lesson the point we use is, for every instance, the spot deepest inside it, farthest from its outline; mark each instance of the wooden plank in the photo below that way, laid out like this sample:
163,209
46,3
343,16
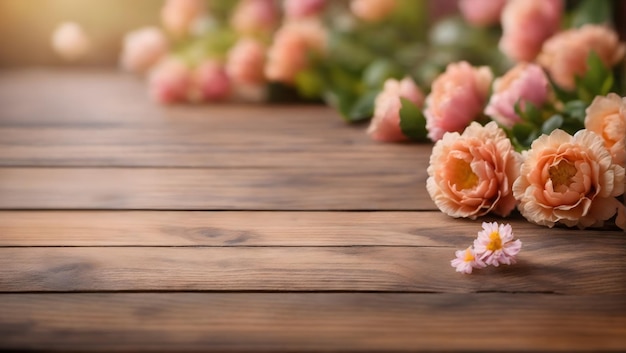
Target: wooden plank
312,322
217,189
203,146
570,269
242,228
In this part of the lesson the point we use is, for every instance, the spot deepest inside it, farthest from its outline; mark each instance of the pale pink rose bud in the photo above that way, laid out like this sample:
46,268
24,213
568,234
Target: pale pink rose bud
289,52
606,116
169,81
142,49
482,12
246,62
255,16
458,97
523,83
303,8
385,125
565,55
570,180
210,82
70,41
526,24
372,10
178,16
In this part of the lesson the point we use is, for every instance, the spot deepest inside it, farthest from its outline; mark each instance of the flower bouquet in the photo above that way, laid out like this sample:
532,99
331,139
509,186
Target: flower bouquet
522,98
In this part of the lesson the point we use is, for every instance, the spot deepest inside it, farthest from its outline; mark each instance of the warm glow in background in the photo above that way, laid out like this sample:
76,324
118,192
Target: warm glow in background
26,27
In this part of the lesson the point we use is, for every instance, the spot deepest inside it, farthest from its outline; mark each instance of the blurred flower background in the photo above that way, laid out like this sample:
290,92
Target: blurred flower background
512,72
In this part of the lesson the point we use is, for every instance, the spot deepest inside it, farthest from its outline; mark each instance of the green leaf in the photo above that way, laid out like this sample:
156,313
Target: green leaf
553,123
575,109
597,80
379,71
412,121
363,107
309,84
524,134
592,11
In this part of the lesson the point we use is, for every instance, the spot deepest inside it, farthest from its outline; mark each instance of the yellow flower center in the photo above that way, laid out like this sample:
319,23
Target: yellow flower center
468,256
462,175
562,173
495,242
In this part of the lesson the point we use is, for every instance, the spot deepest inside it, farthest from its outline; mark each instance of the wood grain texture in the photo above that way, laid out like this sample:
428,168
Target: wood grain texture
313,322
541,268
244,228
217,189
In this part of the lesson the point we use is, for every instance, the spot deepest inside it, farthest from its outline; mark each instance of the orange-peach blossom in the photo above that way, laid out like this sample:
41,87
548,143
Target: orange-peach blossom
142,49
606,116
565,55
482,12
458,97
169,81
303,8
570,180
472,174
70,41
385,125
246,62
372,10
526,24
178,16
252,17
293,42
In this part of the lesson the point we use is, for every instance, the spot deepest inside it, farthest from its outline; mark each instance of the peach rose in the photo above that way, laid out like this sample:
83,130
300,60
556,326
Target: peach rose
70,41
526,24
142,49
210,82
570,180
246,61
524,83
288,54
372,10
169,81
472,174
565,55
482,12
303,8
606,116
252,17
178,16
458,97
385,125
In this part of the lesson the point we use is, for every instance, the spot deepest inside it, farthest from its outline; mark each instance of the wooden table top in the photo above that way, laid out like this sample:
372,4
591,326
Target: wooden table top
128,226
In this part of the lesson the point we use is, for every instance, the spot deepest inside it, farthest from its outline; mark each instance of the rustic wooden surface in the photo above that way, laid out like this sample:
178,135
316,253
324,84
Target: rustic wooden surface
125,226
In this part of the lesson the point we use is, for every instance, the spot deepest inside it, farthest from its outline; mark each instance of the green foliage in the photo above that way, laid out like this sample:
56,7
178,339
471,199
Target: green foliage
412,121
592,11
597,81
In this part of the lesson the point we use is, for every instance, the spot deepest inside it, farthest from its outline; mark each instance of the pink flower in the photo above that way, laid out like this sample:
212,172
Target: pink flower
142,49
569,180
458,97
472,174
178,16
385,125
303,8
482,12
210,82
246,62
565,55
524,83
169,81
292,44
526,24
252,17
372,10
495,244
606,116
70,41
466,260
